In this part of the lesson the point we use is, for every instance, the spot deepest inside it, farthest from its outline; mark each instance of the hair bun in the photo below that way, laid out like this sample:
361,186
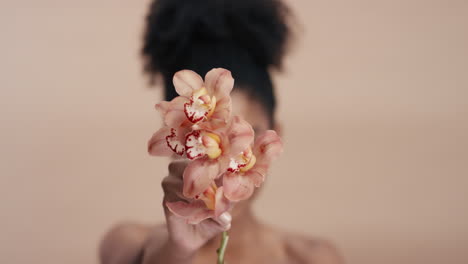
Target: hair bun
178,29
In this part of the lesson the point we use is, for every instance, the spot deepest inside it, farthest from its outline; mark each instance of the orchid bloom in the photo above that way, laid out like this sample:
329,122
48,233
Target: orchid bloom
211,151
204,100
249,168
199,102
210,203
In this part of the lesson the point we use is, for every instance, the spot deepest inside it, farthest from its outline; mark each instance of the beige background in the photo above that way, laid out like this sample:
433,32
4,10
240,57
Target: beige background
374,105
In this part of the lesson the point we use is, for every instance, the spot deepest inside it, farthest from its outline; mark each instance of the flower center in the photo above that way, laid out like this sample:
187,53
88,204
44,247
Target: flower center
199,143
209,196
242,162
201,105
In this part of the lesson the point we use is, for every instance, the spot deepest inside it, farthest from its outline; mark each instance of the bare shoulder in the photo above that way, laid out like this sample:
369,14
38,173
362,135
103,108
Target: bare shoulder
123,243
305,249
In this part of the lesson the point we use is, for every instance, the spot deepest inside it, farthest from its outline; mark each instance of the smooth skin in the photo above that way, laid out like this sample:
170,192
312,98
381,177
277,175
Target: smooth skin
177,242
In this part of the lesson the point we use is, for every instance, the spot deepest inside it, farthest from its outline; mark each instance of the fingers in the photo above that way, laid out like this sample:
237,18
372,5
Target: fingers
223,221
172,188
172,185
177,167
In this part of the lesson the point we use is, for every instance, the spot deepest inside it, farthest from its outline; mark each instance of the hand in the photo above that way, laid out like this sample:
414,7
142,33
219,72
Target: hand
182,235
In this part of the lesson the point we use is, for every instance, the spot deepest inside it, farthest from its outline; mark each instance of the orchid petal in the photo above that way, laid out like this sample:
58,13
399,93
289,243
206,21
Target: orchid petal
237,186
176,139
162,107
240,135
222,204
186,81
223,110
173,112
198,176
194,212
157,145
219,82
267,147
256,175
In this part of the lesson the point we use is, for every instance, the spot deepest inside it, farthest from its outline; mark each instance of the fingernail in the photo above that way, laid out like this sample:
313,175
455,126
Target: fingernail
226,218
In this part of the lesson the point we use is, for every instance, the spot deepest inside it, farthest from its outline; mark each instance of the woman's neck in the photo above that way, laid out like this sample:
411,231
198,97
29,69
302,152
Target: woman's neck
245,229
249,241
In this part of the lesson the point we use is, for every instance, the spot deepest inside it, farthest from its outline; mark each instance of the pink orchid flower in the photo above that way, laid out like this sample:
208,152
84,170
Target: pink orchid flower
211,152
199,102
210,203
249,168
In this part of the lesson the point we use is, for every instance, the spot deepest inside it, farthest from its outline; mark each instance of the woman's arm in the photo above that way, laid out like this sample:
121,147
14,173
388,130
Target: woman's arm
176,242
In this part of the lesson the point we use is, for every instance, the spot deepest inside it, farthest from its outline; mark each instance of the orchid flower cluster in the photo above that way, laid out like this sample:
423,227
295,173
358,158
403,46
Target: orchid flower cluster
226,163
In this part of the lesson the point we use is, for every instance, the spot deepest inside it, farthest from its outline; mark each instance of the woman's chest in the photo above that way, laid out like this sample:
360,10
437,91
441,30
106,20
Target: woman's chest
252,256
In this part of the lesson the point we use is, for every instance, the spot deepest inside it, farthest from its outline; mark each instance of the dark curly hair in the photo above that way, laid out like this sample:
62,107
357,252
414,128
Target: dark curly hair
248,37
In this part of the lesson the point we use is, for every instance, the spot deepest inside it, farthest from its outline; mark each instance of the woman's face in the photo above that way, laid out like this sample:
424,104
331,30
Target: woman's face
251,110
254,113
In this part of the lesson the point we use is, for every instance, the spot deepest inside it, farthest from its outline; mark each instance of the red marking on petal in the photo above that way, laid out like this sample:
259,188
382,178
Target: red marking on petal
194,135
237,168
239,162
177,147
191,116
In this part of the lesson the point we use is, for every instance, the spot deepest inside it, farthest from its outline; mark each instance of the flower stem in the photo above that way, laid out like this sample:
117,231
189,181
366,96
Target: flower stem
222,249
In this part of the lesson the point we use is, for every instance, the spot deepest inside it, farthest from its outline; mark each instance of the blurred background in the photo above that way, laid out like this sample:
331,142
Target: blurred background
373,102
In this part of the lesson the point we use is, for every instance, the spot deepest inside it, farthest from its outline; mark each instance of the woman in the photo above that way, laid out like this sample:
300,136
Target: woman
248,37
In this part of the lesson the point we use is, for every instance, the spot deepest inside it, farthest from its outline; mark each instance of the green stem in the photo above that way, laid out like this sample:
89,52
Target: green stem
222,249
